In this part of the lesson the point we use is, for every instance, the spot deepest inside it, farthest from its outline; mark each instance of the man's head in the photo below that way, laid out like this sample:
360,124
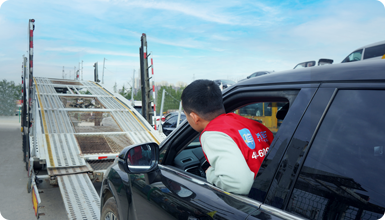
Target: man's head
202,102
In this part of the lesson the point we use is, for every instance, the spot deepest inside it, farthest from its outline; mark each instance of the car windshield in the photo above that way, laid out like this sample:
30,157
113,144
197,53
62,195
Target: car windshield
260,73
355,56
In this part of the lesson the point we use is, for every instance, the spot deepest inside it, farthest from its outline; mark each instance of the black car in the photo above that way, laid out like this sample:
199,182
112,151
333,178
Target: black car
327,159
171,121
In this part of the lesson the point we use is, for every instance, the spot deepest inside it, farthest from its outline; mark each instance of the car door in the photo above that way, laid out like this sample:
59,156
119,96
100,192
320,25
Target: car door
342,175
276,183
178,191
174,193
333,166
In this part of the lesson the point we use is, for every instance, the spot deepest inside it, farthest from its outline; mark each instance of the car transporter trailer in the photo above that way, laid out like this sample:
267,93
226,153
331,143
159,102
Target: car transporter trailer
72,131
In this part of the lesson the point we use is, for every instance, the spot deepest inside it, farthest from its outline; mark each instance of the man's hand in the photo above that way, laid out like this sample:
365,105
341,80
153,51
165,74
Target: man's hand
207,169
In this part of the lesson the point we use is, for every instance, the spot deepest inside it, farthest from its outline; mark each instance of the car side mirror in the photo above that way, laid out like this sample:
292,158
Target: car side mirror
141,158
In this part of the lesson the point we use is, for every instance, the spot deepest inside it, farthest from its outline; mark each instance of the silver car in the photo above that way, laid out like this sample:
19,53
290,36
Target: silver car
371,51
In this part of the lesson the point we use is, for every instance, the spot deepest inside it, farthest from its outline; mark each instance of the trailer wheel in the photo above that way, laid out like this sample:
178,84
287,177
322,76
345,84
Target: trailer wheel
110,210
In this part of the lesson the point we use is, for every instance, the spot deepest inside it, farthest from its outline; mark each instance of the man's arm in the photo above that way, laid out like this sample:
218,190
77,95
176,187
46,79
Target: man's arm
229,170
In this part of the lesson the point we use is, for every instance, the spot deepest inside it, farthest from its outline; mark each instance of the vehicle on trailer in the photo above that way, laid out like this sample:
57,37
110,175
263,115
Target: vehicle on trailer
326,160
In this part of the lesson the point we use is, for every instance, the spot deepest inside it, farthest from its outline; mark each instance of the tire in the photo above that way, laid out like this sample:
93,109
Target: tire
110,210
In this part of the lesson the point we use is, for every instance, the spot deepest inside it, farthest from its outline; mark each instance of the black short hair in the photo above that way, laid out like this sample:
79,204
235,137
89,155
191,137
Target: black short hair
204,98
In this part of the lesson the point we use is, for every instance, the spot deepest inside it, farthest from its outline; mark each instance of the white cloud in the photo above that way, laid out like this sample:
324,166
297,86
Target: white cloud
188,9
220,12
211,39
220,37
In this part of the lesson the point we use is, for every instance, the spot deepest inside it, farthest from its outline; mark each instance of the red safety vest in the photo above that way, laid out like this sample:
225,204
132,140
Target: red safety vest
252,137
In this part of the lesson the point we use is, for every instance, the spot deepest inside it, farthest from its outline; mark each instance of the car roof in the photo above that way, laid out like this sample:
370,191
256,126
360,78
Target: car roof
223,80
371,45
355,71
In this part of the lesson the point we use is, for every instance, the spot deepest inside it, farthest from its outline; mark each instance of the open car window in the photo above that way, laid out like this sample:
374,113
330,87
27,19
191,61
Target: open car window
191,157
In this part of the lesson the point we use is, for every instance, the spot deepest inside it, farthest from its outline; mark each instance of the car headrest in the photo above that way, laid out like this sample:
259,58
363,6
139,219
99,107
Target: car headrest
282,112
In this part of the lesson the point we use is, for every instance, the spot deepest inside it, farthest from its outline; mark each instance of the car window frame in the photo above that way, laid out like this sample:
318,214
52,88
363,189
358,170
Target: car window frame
189,135
364,57
261,91
168,154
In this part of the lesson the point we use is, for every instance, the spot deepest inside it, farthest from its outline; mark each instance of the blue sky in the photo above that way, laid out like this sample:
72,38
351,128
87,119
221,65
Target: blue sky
188,39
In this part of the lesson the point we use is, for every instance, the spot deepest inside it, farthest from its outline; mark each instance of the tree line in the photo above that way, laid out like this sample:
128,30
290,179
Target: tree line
171,99
9,93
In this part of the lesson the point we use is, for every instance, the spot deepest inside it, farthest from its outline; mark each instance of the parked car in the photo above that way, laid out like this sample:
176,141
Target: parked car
321,62
326,161
371,51
259,73
224,83
171,121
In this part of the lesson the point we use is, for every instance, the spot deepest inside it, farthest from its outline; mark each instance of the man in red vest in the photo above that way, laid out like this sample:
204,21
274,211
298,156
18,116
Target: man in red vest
233,145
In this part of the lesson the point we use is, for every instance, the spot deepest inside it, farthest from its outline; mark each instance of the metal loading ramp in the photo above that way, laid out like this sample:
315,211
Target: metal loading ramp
80,197
82,129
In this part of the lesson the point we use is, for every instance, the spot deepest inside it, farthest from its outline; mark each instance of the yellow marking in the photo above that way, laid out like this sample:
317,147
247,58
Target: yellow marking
34,200
156,140
21,129
45,126
383,57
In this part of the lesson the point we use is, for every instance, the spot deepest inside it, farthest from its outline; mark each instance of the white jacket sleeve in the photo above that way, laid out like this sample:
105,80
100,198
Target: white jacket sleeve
229,170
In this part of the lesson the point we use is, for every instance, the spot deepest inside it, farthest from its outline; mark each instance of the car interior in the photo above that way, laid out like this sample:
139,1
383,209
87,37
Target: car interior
190,157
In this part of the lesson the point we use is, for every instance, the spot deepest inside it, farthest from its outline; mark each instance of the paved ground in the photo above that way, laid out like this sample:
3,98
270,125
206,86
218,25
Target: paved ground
15,201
